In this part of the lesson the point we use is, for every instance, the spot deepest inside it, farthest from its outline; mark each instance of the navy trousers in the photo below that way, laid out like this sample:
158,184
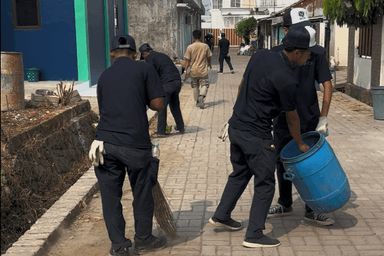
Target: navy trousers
172,90
227,59
142,171
250,156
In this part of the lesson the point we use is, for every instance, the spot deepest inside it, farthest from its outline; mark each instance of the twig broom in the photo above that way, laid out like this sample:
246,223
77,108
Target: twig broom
162,212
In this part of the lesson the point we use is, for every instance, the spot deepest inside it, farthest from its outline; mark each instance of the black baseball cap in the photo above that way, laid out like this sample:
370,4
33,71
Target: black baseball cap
296,16
144,47
302,37
123,42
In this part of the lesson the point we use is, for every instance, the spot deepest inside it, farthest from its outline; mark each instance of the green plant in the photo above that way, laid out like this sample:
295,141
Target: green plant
244,27
56,198
357,13
2,176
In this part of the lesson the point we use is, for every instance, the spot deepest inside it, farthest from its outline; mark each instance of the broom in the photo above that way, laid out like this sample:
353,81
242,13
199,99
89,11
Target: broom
162,211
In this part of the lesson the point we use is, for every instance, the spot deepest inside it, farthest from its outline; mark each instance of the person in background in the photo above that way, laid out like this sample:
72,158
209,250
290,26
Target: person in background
223,48
171,80
198,57
311,118
209,41
122,145
269,87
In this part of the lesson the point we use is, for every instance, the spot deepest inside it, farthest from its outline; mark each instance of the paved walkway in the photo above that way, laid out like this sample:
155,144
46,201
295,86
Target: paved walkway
194,170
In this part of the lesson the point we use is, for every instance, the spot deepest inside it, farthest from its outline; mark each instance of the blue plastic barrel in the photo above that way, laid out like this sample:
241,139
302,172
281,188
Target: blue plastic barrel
316,174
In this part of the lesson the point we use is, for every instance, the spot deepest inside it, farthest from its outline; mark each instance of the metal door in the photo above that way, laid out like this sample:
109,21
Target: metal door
116,18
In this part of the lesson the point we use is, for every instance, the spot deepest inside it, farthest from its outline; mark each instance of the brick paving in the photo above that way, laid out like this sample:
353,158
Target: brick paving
193,172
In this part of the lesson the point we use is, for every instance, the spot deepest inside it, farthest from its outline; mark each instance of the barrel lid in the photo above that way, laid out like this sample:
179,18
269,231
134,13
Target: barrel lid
3,52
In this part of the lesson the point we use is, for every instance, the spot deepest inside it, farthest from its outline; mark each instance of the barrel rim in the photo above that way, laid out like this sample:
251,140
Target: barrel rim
307,154
377,88
11,52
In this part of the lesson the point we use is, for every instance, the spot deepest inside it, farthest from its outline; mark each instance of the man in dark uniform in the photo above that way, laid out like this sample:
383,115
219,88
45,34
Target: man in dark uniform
311,119
269,87
209,40
122,145
171,80
223,47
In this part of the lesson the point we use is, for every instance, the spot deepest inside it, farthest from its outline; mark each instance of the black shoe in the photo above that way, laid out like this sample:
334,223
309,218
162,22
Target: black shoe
182,130
201,100
230,224
278,211
261,242
158,135
154,244
233,71
318,218
220,72
122,252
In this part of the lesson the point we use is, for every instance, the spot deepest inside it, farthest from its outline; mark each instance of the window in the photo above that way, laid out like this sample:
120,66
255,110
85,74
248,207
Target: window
217,4
26,14
235,3
365,41
265,3
230,22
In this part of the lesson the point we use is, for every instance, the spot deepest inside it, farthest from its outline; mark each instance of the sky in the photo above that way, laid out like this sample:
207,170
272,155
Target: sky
206,5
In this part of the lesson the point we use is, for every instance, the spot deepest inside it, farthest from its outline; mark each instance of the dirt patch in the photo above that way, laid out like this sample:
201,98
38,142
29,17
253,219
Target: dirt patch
43,169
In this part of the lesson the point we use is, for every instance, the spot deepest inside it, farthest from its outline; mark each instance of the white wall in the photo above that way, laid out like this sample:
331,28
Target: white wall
382,57
322,34
217,19
339,44
362,68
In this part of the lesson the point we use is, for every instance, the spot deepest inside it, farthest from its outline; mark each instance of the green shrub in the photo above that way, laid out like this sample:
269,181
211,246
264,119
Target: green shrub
244,27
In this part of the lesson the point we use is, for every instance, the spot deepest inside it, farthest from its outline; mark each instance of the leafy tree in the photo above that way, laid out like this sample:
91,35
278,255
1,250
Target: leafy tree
244,27
357,13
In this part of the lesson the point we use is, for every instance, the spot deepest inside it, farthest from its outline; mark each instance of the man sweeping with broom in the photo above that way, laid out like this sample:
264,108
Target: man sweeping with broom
122,145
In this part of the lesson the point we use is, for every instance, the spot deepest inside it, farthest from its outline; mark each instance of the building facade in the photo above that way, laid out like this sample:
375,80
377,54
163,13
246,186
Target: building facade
70,40
67,40
226,13
166,25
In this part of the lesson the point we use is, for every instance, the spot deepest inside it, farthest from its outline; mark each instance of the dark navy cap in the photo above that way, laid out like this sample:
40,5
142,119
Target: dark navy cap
123,42
144,47
301,37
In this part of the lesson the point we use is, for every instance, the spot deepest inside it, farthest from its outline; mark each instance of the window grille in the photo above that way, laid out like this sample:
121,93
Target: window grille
235,3
365,41
217,4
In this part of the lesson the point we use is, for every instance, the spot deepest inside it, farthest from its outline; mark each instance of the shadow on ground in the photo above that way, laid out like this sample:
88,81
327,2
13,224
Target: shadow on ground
284,225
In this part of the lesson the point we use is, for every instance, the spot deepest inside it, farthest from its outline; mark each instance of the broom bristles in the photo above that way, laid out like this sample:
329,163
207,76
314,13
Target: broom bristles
162,212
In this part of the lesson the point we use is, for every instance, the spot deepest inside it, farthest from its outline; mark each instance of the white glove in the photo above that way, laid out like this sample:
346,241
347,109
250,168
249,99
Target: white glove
96,153
223,135
322,126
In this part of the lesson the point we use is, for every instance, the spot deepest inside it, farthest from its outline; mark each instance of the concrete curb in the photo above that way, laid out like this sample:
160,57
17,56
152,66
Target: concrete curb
37,240
45,231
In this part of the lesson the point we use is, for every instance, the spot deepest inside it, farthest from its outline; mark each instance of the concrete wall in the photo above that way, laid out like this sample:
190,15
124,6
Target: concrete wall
217,19
154,22
339,44
7,34
382,56
362,68
53,47
377,59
